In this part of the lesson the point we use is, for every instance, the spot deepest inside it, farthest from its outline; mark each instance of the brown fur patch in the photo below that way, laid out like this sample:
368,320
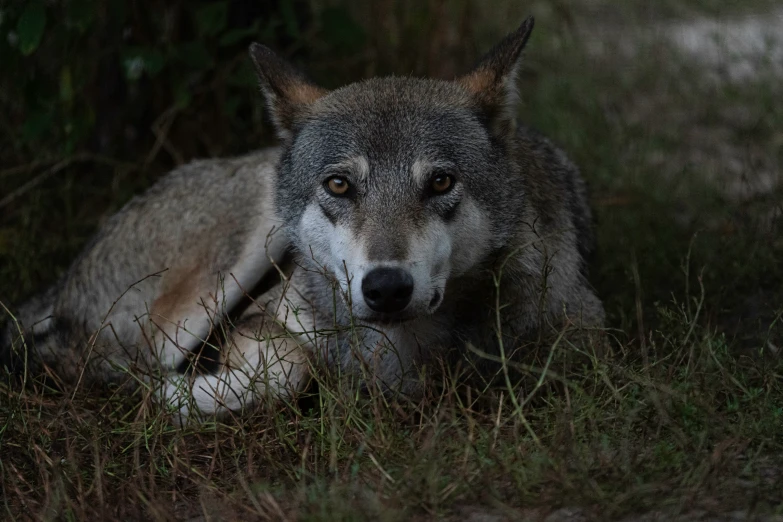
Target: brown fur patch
492,81
478,81
300,93
286,89
180,294
294,100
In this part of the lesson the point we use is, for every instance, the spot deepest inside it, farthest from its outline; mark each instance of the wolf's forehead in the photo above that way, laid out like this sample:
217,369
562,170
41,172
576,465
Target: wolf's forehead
398,91
390,139
394,120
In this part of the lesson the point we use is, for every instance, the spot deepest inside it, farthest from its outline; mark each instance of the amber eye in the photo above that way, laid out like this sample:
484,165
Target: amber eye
337,185
441,183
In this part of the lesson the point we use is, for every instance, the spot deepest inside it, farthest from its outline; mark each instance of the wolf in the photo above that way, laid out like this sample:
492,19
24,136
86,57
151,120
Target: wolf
420,220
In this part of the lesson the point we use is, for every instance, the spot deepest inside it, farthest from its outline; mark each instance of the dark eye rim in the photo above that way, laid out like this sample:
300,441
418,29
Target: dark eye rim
342,177
442,173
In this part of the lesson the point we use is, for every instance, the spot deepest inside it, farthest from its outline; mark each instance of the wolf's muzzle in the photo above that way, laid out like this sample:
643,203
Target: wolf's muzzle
387,290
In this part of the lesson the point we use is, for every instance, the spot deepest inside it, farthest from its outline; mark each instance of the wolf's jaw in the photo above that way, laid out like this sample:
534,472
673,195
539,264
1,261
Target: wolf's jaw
387,321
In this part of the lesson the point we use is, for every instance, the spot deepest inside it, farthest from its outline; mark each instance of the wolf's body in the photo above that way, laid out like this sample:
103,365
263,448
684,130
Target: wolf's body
150,276
403,200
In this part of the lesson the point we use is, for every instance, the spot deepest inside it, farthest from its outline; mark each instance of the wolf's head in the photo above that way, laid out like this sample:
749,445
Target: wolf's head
397,185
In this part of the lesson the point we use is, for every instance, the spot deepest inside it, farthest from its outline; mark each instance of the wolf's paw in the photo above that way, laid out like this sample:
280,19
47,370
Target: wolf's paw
176,399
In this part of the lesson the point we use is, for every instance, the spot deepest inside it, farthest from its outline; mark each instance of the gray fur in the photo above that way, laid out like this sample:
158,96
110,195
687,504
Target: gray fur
517,207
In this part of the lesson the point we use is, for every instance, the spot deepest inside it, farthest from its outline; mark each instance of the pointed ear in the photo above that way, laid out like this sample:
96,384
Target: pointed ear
288,94
492,84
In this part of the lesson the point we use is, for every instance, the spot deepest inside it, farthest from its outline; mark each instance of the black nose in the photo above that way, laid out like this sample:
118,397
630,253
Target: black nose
387,290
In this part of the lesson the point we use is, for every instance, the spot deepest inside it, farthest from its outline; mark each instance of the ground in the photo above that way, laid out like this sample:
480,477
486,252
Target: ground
676,121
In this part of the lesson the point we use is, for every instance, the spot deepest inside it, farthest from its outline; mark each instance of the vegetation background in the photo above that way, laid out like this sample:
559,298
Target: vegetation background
677,124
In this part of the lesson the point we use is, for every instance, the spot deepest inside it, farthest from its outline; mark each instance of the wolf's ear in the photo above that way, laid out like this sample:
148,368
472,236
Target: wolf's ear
493,82
288,94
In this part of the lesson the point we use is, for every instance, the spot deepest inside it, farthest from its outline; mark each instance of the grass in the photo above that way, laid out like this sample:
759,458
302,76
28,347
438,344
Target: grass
683,417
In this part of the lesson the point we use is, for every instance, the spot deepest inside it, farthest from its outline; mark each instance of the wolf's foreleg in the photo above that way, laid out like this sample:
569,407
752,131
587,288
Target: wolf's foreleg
263,361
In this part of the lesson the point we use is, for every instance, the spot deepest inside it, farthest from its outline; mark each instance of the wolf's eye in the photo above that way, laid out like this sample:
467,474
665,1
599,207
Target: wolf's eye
441,183
337,185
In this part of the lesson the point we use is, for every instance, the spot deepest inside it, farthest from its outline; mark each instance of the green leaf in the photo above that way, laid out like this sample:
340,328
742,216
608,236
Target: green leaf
30,27
138,60
77,129
66,85
231,105
154,61
194,55
243,76
81,14
211,19
182,96
134,67
289,18
341,30
235,35
36,124
117,12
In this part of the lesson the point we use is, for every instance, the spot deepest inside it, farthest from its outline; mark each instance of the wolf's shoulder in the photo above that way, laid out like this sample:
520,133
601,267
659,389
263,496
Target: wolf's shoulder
555,184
